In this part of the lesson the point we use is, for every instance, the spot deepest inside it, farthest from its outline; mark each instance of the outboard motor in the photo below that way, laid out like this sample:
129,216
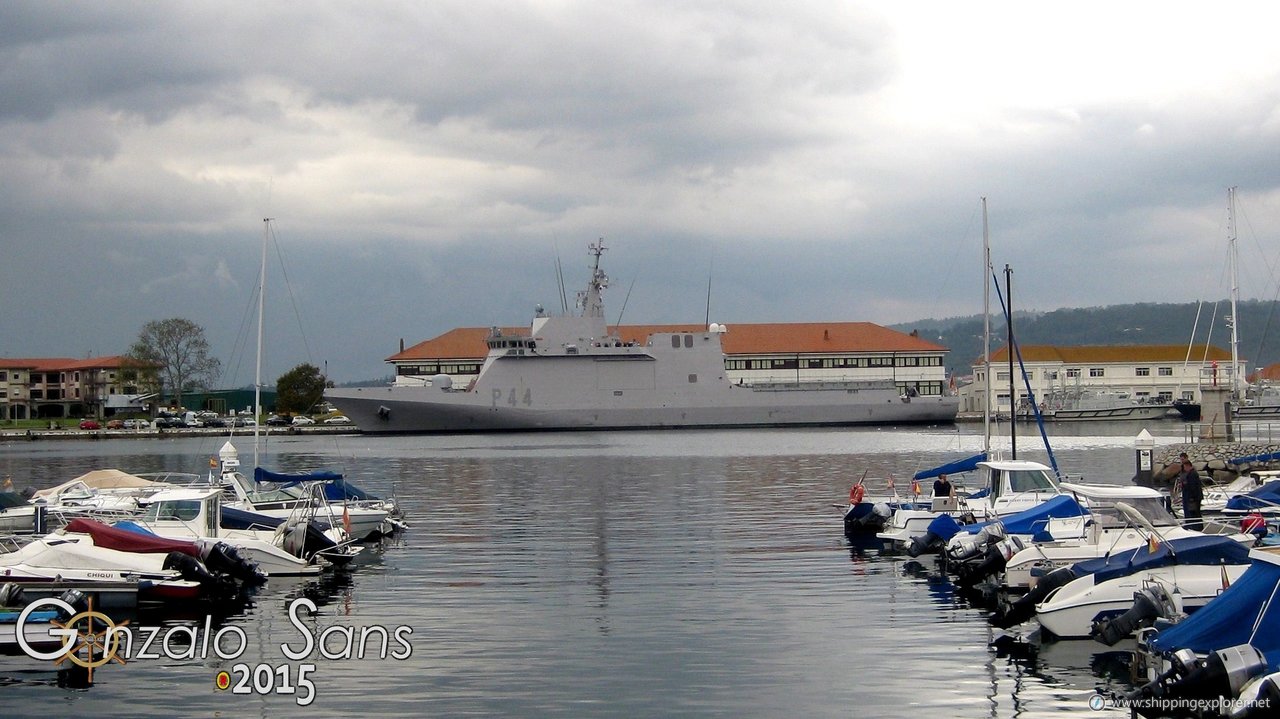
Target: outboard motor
991,564
1224,673
224,558
11,595
304,539
1259,698
189,567
1025,606
940,530
977,545
76,599
1149,604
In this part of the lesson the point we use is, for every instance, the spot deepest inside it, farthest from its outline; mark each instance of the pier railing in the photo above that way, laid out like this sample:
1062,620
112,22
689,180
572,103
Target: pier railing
1236,431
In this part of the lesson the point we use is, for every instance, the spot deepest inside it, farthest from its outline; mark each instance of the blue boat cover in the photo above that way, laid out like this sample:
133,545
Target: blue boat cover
235,518
1265,497
1031,521
262,475
340,489
1269,457
1206,549
964,465
1246,613
944,526
133,527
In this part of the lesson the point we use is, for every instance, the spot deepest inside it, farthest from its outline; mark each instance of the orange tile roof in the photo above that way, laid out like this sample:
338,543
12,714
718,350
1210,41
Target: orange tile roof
1102,354
764,338
62,364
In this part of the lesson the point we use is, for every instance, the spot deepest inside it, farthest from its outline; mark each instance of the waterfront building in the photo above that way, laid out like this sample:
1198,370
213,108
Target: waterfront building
58,387
1149,373
758,352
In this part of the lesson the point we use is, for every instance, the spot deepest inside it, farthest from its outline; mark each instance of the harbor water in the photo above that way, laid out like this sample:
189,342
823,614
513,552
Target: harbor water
662,574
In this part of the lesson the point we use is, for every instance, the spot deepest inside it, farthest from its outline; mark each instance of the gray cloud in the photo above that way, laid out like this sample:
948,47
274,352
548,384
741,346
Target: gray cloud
425,162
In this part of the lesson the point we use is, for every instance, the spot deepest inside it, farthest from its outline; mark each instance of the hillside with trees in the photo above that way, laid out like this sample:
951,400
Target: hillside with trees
1136,324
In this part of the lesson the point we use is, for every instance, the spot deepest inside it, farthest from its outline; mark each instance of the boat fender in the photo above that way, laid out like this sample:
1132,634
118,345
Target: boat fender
856,493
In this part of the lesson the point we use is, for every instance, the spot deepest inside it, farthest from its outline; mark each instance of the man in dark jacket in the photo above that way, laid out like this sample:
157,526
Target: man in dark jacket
1192,496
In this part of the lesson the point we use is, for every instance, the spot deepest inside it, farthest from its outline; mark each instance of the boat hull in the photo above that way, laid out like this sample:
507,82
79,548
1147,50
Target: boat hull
1137,412
407,410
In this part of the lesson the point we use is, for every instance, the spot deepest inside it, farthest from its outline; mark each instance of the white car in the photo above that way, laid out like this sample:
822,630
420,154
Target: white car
300,421
340,419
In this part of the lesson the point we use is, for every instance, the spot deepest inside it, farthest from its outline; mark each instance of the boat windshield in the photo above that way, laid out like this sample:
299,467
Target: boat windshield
1030,480
183,510
1152,508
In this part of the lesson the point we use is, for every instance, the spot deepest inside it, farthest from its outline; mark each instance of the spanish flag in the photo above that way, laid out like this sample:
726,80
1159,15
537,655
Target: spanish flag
213,462
1152,544
915,486
346,519
8,483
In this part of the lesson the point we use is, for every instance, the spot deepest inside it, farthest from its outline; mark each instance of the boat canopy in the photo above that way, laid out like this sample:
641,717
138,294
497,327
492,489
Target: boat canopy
1268,457
1265,497
340,489
1030,521
124,539
1210,549
262,475
1244,613
964,465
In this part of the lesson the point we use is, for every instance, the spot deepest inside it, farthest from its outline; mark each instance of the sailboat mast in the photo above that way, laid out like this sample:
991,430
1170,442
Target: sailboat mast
257,368
1233,259
986,330
1013,392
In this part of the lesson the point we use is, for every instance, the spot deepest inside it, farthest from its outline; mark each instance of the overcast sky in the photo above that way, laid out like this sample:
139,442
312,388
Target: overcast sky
426,162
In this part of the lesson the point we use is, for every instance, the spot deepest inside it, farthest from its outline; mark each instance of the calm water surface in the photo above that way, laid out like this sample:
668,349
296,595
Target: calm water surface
632,574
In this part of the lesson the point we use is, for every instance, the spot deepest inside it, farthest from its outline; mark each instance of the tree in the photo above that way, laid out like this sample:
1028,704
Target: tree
300,389
172,357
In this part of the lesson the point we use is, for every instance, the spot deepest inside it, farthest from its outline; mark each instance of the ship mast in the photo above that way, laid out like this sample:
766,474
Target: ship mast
1233,259
592,301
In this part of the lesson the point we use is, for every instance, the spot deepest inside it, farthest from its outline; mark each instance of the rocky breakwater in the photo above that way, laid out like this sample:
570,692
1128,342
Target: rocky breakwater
1219,462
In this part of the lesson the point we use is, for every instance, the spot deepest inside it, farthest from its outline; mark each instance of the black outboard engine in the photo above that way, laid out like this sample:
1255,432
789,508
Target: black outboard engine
189,567
226,559
1222,674
1260,699
1024,607
1149,604
992,563
11,595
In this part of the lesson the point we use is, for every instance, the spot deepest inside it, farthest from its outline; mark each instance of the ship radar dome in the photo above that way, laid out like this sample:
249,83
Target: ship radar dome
443,381
717,328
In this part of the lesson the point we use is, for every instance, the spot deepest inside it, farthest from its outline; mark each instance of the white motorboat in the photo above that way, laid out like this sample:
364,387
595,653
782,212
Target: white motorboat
75,558
196,514
1193,570
290,496
103,494
1120,518
1010,486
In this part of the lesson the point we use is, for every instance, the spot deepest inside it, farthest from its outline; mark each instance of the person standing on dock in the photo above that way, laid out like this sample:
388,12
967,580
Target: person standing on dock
1192,496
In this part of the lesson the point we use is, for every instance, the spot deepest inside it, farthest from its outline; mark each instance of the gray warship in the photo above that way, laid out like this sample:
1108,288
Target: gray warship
570,372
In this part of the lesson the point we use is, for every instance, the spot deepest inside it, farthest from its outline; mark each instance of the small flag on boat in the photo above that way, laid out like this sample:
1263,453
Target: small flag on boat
915,486
213,462
8,483
346,519
1152,544
1226,581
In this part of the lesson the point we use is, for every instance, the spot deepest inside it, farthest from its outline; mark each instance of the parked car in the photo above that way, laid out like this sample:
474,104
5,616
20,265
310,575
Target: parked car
276,420
170,423
245,422
213,422
302,420
136,424
340,419
115,424
90,424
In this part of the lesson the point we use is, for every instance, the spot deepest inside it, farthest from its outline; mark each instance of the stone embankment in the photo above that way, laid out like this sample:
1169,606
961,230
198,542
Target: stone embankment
1215,460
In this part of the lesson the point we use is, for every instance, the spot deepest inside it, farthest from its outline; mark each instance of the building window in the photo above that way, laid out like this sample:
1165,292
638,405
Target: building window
1096,371
1166,371
675,342
1071,373
1142,371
